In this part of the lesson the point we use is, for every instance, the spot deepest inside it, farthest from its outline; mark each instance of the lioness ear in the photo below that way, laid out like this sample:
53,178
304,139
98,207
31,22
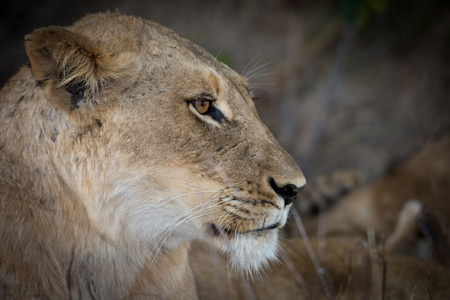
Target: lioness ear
70,66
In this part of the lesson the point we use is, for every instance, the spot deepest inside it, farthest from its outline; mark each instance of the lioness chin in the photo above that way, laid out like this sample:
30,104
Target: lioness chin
120,143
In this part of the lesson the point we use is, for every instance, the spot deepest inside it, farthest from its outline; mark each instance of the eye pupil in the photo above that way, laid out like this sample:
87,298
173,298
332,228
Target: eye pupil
201,106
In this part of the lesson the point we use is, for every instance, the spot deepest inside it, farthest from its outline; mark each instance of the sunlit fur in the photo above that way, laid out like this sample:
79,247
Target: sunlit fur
246,254
108,172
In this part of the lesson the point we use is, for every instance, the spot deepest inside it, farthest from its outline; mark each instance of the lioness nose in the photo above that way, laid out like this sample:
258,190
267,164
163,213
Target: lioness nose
288,192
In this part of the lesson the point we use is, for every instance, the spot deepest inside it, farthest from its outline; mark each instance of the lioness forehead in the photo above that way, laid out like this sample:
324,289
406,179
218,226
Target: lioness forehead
119,33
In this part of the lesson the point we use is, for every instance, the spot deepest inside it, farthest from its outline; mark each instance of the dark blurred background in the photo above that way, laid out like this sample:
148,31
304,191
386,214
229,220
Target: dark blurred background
341,84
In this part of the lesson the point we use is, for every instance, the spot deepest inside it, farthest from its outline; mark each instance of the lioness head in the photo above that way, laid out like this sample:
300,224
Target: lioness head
159,141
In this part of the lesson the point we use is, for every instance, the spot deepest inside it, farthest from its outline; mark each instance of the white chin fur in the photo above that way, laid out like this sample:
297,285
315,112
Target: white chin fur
250,252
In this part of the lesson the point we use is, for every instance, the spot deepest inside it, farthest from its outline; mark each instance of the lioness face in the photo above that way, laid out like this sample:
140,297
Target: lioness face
217,173
181,150
214,170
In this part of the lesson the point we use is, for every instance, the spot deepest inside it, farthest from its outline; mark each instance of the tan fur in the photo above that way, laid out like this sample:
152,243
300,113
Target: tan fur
347,262
412,197
351,260
347,271
108,172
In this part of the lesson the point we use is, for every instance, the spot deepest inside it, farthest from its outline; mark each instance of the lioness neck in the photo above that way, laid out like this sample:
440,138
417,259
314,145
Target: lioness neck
78,254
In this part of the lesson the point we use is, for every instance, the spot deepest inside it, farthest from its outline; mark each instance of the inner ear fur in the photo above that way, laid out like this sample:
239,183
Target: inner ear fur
72,68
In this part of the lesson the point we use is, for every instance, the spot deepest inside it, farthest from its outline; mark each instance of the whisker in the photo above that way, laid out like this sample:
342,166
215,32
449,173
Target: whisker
253,62
237,226
181,218
255,71
260,88
220,50
188,194
169,232
229,222
187,213
230,212
258,75
182,215
151,206
255,68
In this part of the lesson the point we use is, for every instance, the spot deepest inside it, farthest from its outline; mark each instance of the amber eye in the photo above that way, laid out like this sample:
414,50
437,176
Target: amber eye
201,105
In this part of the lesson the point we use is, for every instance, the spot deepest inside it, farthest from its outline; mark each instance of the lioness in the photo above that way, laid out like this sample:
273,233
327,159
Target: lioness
120,143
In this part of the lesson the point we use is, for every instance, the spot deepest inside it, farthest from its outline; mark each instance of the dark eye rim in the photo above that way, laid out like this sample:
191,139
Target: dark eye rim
212,111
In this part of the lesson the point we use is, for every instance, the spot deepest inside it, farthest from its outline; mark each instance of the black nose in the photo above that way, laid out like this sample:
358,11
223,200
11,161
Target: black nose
287,192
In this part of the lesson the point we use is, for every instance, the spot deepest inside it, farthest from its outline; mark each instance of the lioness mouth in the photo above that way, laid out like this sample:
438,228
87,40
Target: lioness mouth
216,231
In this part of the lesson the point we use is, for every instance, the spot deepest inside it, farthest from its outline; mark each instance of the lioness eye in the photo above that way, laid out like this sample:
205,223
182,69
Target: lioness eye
201,105
205,107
